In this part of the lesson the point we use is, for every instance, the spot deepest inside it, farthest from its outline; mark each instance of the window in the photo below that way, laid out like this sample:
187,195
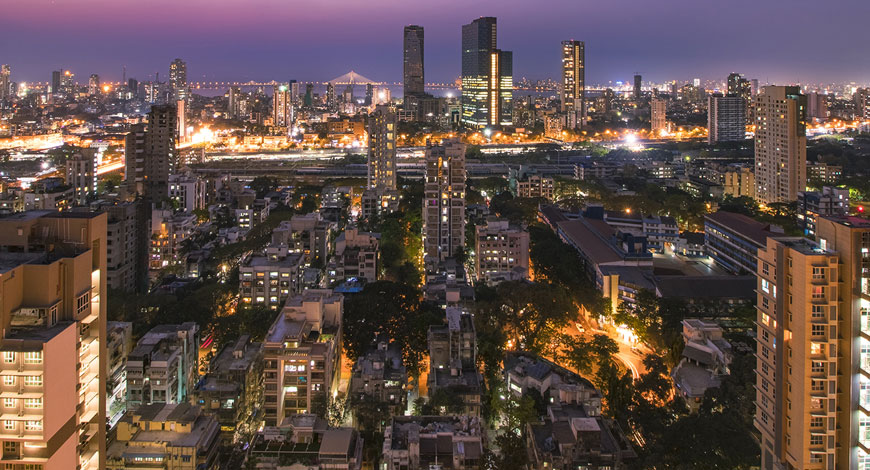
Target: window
818,367
8,357
817,421
33,402
33,357
33,380
816,440
8,380
818,330
818,312
33,425
9,425
8,403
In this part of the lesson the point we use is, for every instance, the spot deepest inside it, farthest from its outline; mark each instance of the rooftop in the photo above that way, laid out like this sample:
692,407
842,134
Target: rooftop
750,228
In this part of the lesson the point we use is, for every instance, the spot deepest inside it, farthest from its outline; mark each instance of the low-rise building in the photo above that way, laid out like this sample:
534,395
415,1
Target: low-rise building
824,173
705,360
165,436
426,442
302,351
270,280
187,192
733,240
232,388
308,234
162,368
827,202
453,360
356,256
502,252
381,375
524,183
660,231
305,441
168,233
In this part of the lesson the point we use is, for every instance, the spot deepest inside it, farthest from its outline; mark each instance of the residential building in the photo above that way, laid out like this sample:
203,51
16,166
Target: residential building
356,256
119,343
270,280
738,181
812,204
302,353
306,234
306,441
165,436
150,153
658,116
187,192
453,360
596,170
660,231
525,372
525,183
638,82
705,360
444,201
733,240
413,76
231,389
162,368
381,375
81,175
501,252
573,103
824,173
53,344
421,442
168,233
807,377
380,195
726,118
487,76
178,80
817,106
126,251
780,144
282,108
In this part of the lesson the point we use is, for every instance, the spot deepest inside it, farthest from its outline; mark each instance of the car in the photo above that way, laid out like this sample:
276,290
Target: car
580,328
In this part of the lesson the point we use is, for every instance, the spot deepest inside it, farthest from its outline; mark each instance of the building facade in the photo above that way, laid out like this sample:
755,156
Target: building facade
487,76
780,144
726,118
444,201
574,82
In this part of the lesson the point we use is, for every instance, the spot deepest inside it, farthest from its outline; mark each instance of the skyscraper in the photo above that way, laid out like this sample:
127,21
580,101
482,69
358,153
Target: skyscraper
5,83
331,99
658,118
813,361
780,144
82,176
739,86
53,344
382,148
414,78
55,81
281,105
574,82
94,85
638,80
487,76
444,201
726,118
309,95
150,153
178,80
234,108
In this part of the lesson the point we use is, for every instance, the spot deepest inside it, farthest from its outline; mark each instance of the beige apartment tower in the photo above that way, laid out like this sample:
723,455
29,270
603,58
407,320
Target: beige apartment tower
813,373
574,82
780,144
444,201
53,348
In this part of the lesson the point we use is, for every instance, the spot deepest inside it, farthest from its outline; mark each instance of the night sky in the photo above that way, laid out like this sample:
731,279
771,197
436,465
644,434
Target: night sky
773,40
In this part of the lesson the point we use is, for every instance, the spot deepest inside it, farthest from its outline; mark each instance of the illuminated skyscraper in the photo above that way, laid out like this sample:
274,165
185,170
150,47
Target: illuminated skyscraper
178,80
55,81
444,201
382,149
414,79
234,105
487,76
780,144
739,86
658,116
281,105
331,99
574,82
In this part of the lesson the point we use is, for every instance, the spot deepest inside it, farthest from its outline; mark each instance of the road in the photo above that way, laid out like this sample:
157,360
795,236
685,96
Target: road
631,357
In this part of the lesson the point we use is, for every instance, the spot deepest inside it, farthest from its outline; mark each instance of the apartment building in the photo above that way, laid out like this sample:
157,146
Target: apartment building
162,368
501,252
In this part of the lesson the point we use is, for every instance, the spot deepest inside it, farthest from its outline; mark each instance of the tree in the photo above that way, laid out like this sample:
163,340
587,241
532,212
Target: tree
263,185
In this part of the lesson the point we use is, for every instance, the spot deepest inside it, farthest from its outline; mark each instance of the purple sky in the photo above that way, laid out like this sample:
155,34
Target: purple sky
772,40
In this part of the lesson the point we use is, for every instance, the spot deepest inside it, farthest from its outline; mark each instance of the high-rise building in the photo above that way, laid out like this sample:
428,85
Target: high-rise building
94,85
444,201
178,80
780,144
55,81
53,314
501,252
181,120
487,76
382,148
81,174
331,99
739,86
726,118
234,105
812,389
574,82
309,95
68,83
133,87
638,81
414,78
281,105
817,106
5,82
658,119
294,93
150,153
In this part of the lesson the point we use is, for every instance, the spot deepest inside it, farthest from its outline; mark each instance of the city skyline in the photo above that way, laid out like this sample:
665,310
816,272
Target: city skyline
249,44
